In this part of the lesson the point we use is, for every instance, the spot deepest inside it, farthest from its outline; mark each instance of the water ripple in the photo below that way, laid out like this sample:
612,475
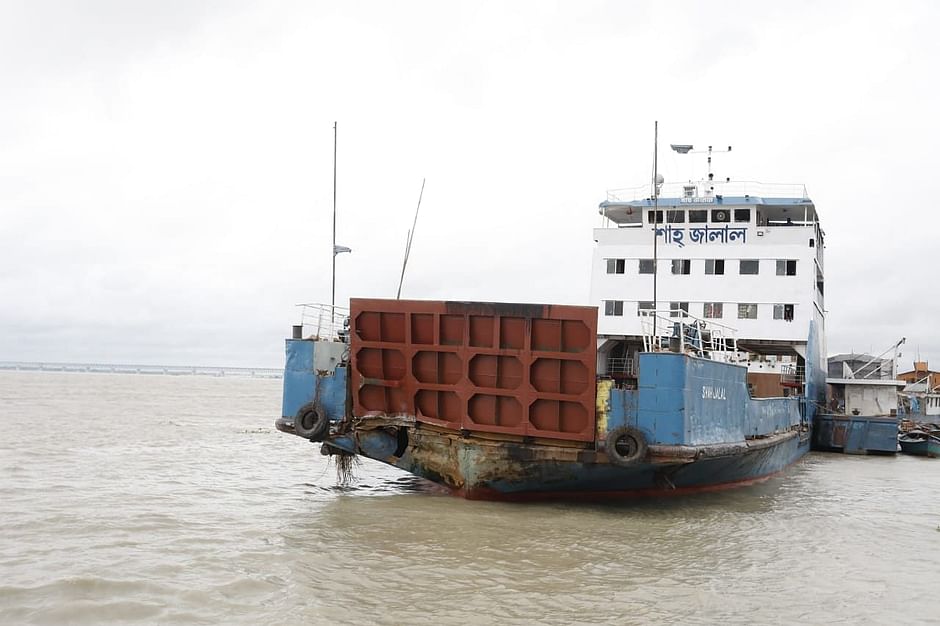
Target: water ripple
174,501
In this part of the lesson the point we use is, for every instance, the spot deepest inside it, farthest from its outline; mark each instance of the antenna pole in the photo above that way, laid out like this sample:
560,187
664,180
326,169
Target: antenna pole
333,293
411,234
655,221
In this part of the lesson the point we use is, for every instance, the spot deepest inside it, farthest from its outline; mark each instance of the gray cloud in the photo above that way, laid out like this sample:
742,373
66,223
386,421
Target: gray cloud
165,168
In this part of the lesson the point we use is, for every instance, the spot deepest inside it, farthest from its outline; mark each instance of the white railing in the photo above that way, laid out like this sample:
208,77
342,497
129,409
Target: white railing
792,375
677,331
621,366
733,188
324,321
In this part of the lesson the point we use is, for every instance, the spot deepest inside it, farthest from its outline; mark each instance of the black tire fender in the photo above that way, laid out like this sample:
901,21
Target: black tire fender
626,445
311,422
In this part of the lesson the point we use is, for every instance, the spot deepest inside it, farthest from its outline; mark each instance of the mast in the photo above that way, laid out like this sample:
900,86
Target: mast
333,292
411,234
655,222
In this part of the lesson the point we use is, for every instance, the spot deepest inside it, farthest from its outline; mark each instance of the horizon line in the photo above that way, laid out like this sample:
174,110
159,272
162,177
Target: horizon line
132,368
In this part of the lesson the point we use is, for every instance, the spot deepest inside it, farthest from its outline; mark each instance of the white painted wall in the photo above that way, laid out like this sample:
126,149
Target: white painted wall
764,289
870,400
932,405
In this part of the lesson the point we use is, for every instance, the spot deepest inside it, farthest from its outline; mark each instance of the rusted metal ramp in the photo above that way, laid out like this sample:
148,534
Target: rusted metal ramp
513,369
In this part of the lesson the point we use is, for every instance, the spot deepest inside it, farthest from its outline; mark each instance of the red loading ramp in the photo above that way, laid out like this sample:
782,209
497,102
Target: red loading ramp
519,369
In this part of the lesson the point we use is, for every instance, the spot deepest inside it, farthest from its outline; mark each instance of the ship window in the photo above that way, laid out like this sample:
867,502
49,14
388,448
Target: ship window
613,307
786,267
681,266
675,217
783,312
659,217
678,309
747,311
713,310
698,216
615,266
643,307
714,266
720,215
812,243
742,215
750,266
646,266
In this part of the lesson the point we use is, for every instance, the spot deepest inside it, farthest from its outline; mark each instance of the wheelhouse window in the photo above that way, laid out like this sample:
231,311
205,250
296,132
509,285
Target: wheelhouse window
720,216
747,311
654,217
742,215
643,308
613,308
713,310
783,312
678,309
750,266
616,266
681,266
675,216
714,266
786,267
698,216
646,266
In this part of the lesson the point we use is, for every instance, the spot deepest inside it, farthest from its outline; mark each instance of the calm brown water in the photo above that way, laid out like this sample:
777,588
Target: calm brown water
173,500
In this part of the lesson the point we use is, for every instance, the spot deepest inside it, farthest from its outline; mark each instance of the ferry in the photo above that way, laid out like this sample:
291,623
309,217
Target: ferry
698,365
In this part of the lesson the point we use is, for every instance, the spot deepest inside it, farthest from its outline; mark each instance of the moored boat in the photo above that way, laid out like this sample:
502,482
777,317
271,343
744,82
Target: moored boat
919,443
631,396
862,415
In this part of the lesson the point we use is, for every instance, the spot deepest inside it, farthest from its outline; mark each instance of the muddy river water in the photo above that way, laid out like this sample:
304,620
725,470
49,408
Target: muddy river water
173,500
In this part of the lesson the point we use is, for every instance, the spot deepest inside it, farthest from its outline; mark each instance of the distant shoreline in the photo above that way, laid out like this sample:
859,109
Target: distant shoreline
163,370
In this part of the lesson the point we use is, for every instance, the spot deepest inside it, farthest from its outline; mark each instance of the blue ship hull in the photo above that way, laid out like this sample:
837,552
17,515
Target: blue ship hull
856,434
697,426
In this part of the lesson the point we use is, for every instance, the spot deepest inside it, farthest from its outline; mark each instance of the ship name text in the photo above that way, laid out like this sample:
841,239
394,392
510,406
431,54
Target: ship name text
713,393
702,234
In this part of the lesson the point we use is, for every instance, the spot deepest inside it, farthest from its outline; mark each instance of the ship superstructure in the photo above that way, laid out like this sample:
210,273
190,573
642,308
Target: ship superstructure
742,256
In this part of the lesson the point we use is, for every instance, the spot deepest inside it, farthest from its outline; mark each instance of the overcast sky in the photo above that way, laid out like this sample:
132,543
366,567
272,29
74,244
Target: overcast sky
166,166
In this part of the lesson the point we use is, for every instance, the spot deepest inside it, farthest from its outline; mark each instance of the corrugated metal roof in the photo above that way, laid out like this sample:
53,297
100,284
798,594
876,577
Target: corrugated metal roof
852,357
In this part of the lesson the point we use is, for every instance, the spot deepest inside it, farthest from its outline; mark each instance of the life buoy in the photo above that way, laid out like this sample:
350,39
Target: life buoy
626,445
311,422
721,216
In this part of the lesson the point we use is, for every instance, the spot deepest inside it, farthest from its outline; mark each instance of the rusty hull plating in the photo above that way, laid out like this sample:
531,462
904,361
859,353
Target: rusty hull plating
504,468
